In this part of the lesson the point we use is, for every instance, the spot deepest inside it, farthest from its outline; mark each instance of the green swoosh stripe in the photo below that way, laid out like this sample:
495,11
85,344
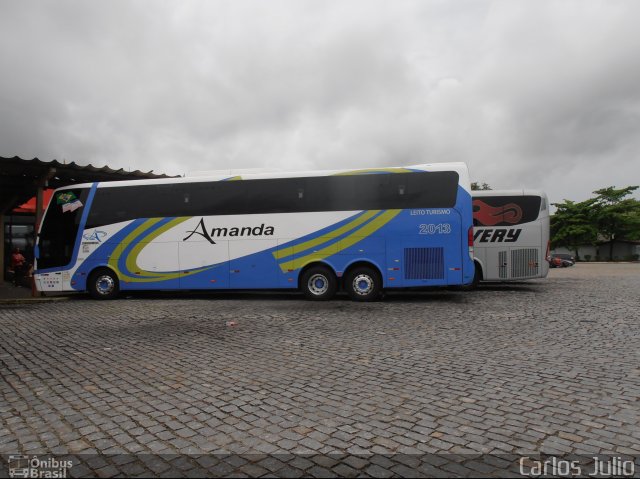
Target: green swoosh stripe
325,238
131,261
350,240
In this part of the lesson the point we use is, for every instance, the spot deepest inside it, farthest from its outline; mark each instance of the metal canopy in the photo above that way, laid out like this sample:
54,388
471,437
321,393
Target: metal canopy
20,179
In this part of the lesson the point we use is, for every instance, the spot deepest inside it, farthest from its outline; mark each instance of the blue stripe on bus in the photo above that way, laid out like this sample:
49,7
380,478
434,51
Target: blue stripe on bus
122,261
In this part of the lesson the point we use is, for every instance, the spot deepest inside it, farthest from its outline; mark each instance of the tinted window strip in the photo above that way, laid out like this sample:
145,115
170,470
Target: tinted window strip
276,195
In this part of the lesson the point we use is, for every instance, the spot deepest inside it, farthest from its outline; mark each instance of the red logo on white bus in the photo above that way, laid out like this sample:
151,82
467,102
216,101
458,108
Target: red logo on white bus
487,215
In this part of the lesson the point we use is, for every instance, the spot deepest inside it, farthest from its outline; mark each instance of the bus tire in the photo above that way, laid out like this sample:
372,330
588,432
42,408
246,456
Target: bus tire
318,283
103,284
363,283
477,276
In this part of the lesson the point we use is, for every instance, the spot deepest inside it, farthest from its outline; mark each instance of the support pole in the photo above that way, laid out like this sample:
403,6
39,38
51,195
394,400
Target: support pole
2,247
39,207
41,184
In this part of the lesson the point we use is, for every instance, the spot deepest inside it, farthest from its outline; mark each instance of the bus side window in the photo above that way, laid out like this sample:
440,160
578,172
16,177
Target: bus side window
330,193
277,195
437,189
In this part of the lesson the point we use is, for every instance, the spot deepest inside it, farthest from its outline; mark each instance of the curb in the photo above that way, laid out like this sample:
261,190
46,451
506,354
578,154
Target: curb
607,262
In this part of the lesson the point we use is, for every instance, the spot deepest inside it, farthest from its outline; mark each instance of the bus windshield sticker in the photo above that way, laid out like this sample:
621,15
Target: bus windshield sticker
69,201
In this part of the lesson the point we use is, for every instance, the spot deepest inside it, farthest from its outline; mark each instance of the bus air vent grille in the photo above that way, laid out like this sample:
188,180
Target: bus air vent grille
502,264
524,262
424,263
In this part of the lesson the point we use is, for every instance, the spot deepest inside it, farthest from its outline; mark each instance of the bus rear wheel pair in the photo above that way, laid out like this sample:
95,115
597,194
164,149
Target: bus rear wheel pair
361,283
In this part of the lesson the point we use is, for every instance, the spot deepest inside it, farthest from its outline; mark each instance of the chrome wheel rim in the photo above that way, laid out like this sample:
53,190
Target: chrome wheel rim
318,284
362,284
105,285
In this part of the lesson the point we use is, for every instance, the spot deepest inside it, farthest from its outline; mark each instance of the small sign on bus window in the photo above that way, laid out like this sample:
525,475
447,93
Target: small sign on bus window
69,201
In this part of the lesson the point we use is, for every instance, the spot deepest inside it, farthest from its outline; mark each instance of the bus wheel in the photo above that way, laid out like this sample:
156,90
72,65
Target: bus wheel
318,283
477,277
363,284
103,284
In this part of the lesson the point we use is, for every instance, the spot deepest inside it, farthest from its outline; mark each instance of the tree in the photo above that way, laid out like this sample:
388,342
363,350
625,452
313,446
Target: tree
616,216
573,224
475,186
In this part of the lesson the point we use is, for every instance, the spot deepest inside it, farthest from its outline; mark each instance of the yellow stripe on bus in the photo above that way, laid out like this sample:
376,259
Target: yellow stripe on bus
288,251
350,240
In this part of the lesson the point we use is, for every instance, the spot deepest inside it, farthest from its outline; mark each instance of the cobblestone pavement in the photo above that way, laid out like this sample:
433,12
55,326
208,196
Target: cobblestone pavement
418,384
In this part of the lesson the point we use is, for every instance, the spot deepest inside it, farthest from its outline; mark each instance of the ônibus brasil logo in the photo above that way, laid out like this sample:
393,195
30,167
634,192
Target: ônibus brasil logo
201,229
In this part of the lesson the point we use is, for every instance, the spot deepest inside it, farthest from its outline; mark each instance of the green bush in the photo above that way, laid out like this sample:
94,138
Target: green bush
587,257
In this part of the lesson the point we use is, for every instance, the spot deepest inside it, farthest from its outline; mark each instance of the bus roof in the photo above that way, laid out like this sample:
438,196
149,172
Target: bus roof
519,192
458,167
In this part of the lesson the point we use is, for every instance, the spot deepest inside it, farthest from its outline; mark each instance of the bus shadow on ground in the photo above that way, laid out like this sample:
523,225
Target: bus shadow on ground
440,294
515,286
240,295
425,296
275,295
454,294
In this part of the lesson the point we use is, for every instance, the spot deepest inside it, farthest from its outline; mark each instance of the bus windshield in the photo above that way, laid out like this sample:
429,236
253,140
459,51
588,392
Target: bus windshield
60,226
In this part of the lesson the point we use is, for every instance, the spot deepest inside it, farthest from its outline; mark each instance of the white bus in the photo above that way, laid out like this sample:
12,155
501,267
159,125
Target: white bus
361,231
511,235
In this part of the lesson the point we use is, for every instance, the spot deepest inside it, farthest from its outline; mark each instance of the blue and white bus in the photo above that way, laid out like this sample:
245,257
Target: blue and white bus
361,231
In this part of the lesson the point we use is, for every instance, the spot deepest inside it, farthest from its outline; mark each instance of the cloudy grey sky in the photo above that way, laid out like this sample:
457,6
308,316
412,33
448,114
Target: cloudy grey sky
529,94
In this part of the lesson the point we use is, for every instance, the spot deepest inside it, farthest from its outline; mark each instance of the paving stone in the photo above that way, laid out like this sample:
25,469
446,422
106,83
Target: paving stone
288,472
376,471
506,368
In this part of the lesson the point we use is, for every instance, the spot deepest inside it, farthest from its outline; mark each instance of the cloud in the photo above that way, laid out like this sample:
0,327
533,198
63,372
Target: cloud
542,95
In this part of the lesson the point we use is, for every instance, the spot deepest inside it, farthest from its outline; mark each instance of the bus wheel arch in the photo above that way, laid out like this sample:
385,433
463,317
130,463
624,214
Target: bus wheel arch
477,277
103,283
362,280
318,281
